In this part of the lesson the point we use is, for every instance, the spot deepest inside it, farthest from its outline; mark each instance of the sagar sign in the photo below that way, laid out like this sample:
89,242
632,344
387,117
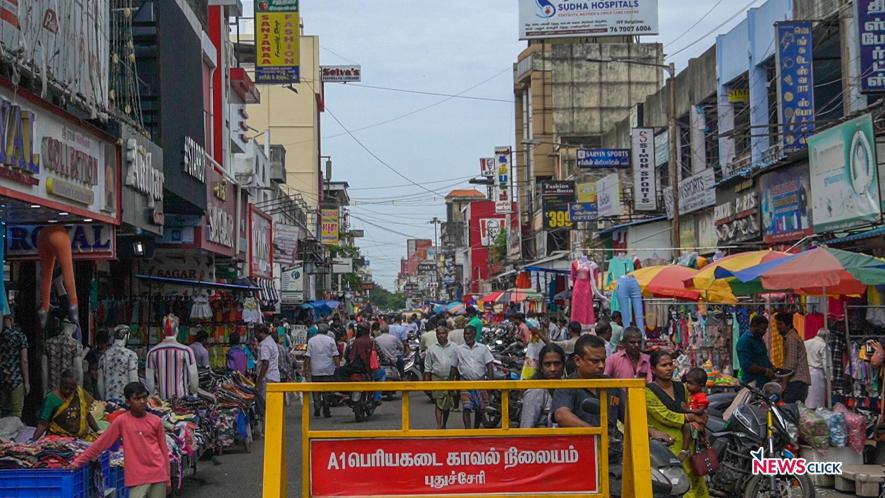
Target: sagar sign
531,465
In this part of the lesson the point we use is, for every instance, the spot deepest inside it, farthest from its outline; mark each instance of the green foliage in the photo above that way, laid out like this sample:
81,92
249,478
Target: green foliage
498,251
384,299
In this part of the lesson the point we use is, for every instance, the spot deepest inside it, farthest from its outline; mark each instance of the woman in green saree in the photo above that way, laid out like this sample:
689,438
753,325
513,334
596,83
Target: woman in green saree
66,411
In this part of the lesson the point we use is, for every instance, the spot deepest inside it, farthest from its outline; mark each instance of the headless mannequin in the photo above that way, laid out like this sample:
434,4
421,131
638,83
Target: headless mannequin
583,275
55,366
154,377
130,368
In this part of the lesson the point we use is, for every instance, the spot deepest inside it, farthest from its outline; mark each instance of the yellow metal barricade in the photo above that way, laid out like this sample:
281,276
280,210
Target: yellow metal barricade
636,477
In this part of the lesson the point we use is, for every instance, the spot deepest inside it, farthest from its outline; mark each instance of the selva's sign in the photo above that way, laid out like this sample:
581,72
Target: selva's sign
88,241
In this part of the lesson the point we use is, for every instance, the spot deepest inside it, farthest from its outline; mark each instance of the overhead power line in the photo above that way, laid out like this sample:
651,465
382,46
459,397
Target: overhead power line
695,24
382,227
723,23
420,92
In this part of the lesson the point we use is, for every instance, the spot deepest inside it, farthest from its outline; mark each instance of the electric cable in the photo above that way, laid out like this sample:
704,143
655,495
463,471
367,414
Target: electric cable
436,94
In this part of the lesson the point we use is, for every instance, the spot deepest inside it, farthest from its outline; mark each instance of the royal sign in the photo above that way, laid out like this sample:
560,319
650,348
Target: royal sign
89,241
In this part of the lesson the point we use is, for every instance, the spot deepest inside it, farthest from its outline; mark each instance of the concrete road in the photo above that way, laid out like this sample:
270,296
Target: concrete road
239,474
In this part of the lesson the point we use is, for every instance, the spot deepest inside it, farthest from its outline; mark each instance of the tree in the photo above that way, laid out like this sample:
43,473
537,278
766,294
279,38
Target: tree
384,299
498,251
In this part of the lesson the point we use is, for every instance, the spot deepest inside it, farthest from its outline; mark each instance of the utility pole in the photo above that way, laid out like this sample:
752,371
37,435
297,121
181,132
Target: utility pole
673,163
435,221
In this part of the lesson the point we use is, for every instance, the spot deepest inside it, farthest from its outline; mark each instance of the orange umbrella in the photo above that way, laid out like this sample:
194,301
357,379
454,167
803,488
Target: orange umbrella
718,290
666,281
491,297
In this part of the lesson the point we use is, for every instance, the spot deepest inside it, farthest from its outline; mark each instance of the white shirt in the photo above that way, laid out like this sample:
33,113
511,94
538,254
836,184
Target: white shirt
472,361
816,350
440,360
267,350
322,350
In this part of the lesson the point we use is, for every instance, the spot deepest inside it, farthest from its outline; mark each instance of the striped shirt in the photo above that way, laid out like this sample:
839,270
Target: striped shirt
170,362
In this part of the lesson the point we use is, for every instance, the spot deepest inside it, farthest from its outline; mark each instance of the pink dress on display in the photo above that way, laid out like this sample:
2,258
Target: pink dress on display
582,274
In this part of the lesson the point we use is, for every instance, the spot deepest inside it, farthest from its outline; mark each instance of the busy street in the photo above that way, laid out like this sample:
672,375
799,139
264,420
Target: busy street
332,248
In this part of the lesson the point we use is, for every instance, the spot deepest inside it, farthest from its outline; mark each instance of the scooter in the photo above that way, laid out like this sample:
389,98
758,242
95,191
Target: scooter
362,403
668,478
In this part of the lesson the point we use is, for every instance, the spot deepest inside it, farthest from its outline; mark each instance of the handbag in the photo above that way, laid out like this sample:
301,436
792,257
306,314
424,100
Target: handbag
704,461
374,363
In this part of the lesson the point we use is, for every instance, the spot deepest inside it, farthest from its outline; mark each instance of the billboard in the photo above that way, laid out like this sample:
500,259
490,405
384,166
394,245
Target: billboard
570,18
871,31
489,228
329,225
454,466
285,243
502,162
603,158
795,83
556,196
736,217
695,192
487,167
292,285
608,196
784,196
645,197
844,176
277,42
341,74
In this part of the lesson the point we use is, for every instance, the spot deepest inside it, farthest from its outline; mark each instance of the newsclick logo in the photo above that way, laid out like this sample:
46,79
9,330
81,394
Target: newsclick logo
791,466
546,9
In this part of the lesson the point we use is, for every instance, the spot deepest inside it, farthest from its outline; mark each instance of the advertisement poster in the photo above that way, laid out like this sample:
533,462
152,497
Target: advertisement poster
556,197
585,208
502,162
528,465
871,30
292,285
489,228
608,196
603,158
844,176
570,18
277,42
645,196
784,196
737,215
329,223
795,83
285,243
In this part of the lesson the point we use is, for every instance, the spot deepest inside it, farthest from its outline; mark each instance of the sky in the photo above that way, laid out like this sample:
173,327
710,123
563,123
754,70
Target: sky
463,47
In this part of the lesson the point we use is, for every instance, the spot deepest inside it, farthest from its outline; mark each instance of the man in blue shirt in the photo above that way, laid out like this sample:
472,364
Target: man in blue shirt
753,355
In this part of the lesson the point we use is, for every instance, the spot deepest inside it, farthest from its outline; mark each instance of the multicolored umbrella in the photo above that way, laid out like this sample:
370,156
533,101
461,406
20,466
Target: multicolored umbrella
518,295
456,308
818,271
717,290
666,281
491,297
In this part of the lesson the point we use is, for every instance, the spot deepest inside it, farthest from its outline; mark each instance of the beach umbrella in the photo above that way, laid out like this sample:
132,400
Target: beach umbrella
491,297
518,295
719,290
456,308
666,281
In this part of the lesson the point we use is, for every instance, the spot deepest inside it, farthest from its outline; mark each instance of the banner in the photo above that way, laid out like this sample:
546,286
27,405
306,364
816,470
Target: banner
784,204
571,18
285,243
277,42
555,199
584,208
608,196
329,222
871,31
795,83
645,197
737,215
844,176
292,285
603,158
529,465
502,161
341,74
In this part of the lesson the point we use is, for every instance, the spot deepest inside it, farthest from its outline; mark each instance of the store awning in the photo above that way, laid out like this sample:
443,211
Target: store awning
183,282
866,234
557,263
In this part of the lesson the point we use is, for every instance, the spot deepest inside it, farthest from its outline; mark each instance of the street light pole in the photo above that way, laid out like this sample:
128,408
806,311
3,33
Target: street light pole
435,221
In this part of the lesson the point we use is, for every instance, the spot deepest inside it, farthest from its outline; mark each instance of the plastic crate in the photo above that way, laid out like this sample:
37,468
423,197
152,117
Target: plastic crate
118,483
45,483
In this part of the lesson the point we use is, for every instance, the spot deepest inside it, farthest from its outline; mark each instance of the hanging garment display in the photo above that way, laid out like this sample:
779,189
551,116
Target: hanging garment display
583,289
629,296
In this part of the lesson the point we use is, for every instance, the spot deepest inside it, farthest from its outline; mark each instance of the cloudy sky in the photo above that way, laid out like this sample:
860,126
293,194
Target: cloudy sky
463,47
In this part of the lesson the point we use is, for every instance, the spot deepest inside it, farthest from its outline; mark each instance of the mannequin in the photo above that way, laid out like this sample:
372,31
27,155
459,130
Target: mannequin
117,367
171,368
62,352
629,296
583,274
54,243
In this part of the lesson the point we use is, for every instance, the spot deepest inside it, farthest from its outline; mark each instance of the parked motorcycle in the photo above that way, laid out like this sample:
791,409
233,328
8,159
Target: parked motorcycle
763,422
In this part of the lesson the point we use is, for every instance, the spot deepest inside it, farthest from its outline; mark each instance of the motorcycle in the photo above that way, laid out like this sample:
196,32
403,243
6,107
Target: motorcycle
362,403
668,478
763,422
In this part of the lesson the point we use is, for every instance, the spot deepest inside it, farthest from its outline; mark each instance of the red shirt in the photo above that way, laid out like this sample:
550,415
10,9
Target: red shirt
698,401
144,449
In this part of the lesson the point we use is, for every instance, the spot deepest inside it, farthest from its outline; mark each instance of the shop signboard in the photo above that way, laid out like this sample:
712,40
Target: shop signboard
260,243
342,265
329,227
177,263
783,203
487,167
218,230
292,285
341,74
795,83
502,163
455,466
89,241
285,243
662,148
143,178
695,192
603,158
585,207
51,159
736,217
277,43
503,204
67,42
555,198
645,196
489,228
426,267
740,95
574,18
608,196
844,176
871,32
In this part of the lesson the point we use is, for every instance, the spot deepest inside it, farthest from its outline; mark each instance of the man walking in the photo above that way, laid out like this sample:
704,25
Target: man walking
631,362
475,362
753,355
795,359
268,369
440,364
475,321
320,361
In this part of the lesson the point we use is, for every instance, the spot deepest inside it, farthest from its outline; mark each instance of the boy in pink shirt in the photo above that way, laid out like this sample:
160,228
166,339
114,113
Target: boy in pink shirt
145,452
